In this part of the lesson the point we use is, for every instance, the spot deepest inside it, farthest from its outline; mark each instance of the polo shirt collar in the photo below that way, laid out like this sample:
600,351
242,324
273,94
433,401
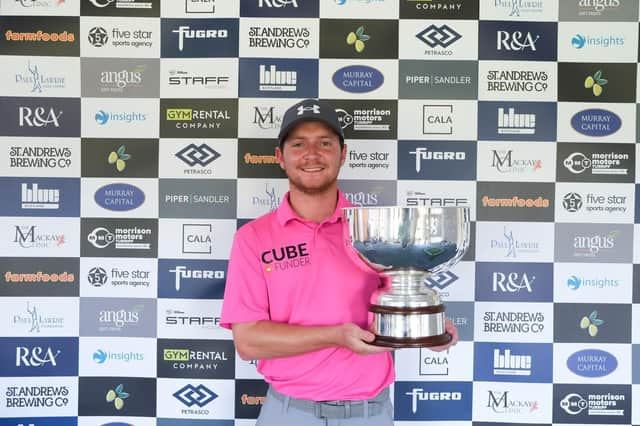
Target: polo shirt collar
286,213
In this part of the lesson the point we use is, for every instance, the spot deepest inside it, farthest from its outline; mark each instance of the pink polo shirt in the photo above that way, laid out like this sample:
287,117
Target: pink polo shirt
290,270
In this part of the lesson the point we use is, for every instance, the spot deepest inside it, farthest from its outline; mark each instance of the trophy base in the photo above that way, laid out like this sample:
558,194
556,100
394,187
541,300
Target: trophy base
420,342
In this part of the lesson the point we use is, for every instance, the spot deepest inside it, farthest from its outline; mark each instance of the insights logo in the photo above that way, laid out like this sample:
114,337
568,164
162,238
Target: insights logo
580,41
103,117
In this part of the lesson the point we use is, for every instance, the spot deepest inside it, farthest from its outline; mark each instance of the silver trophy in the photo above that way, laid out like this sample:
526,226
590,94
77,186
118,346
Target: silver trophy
415,243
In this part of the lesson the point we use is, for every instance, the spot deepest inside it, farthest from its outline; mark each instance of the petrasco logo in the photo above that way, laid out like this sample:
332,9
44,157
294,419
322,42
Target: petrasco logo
191,395
443,36
358,79
201,155
596,122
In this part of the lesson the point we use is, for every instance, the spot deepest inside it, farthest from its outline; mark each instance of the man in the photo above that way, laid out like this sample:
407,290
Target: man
297,296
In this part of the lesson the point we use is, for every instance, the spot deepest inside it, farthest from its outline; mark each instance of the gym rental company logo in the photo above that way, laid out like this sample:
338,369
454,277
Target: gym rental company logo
285,258
202,359
195,118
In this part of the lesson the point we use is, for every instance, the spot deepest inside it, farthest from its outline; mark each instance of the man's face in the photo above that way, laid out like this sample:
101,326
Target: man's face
311,157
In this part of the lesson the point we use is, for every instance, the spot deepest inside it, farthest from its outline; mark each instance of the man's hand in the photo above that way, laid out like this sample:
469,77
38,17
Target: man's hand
451,329
358,340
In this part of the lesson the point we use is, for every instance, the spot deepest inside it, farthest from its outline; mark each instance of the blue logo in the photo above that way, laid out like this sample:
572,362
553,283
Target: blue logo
358,79
199,38
40,197
100,356
514,282
102,117
119,197
578,41
45,356
515,121
437,160
596,122
513,362
280,8
432,400
592,363
191,278
279,78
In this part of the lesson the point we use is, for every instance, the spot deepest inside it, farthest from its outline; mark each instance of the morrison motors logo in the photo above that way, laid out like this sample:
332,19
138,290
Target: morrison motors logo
596,122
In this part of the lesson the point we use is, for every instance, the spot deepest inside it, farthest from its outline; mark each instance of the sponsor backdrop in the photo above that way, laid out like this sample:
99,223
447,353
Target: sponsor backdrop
138,135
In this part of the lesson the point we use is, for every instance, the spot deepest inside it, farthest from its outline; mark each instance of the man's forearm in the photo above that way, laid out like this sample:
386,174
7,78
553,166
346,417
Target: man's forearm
268,339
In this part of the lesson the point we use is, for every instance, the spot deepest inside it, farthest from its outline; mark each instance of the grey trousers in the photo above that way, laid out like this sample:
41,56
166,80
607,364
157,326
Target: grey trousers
277,413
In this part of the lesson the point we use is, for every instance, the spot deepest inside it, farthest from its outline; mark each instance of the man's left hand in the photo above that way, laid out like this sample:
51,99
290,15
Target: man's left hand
450,329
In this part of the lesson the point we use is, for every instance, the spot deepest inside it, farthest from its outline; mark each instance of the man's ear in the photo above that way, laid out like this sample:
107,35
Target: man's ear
343,154
279,157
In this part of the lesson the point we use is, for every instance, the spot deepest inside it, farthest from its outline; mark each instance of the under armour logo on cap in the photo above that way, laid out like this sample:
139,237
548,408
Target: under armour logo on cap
315,108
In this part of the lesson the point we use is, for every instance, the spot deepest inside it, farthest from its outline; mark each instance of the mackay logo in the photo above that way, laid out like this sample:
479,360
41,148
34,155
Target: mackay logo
285,257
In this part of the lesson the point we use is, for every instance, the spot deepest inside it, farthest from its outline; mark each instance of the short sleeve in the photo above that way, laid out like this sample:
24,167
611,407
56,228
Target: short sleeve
245,296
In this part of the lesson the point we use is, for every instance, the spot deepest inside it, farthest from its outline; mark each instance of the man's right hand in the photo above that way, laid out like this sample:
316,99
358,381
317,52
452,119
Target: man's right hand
358,340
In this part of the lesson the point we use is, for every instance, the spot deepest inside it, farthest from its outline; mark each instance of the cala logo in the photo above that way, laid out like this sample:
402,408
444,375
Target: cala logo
596,122
592,363
358,79
119,197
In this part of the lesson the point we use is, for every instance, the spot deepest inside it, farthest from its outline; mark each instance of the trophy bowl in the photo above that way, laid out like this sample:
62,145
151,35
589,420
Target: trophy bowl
414,243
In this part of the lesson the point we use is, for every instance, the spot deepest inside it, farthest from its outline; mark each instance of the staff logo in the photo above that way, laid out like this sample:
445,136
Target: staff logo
443,36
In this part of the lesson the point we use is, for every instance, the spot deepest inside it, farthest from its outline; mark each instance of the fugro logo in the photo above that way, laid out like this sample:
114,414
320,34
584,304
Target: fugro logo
192,38
191,279
442,400
596,122
358,79
119,197
436,160
592,363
